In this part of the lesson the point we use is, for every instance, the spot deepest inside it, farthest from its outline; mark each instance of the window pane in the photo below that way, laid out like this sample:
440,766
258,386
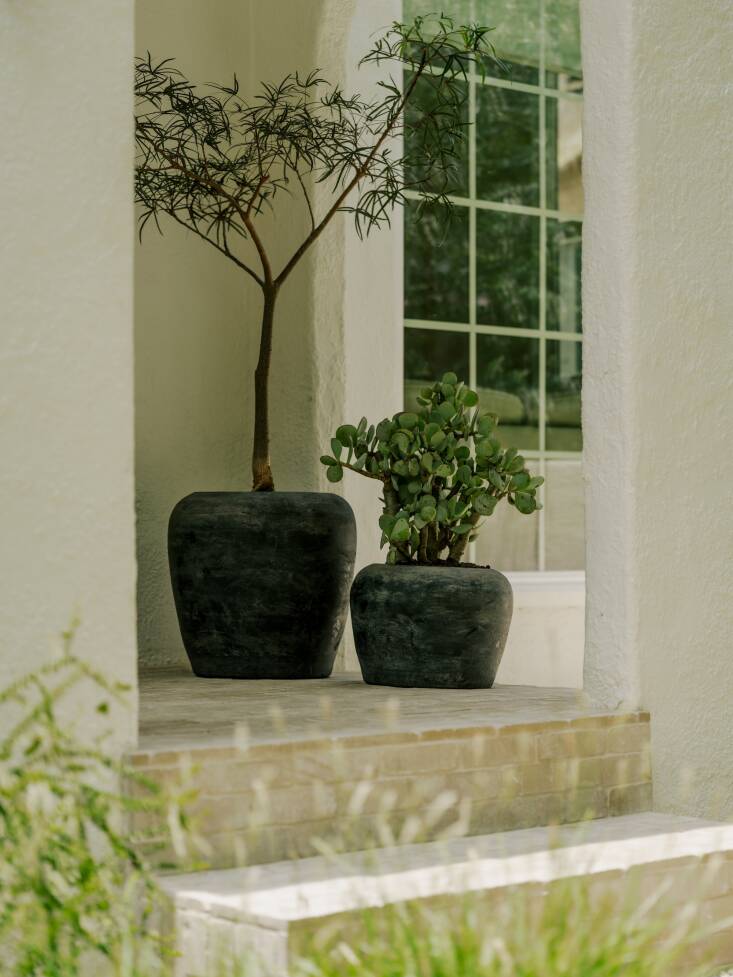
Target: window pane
565,155
508,540
511,70
563,275
564,516
564,369
507,269
455,181
564,82
507,146
516,37
507,375
436,264
459,10
562,37
429,353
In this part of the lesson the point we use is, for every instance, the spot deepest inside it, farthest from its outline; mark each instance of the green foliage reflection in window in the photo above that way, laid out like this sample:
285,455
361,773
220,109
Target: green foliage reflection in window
495,293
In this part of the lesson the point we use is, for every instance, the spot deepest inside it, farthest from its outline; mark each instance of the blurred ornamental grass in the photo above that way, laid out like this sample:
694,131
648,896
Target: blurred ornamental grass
76,897
568,929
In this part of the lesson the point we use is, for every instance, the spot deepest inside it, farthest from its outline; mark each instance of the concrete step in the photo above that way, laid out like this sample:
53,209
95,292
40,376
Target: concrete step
282,767
273,911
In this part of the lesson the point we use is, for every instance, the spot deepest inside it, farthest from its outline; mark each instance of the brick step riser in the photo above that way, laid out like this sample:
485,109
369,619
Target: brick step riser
270,801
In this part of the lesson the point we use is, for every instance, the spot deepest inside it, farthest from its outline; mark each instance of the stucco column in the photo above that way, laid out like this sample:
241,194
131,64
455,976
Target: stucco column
658,383
67,521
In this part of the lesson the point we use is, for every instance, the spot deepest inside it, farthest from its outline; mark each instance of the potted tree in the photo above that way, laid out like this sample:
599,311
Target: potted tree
425,618
261,579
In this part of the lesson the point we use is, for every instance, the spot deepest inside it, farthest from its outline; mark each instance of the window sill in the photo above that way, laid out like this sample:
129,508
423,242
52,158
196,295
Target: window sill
556,588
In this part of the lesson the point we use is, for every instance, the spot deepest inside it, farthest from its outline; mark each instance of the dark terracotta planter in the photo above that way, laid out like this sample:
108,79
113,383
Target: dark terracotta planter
261,581
430,627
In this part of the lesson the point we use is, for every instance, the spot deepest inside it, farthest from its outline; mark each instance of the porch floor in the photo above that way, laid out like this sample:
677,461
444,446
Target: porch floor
180,711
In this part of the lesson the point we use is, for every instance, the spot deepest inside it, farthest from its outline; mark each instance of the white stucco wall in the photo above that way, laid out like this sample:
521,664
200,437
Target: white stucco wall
195,319
66,359
658,384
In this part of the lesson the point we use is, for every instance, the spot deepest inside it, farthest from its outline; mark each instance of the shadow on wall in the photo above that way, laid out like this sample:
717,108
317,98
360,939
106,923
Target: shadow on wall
193,350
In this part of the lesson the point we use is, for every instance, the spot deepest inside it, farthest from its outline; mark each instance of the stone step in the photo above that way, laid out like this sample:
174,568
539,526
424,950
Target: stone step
273,911
281,768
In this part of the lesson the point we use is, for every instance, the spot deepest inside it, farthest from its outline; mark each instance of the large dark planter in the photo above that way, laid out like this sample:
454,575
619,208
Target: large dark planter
261,581
430,626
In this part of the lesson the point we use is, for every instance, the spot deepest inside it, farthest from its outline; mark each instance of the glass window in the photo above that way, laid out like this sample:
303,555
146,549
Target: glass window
507,146
564,154
517,37
508,382
504,277
563,275
507,269
455,181
436,264
562,411
428,354
561,39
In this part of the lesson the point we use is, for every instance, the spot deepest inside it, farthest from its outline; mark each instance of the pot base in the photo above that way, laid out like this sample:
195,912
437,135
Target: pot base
430,627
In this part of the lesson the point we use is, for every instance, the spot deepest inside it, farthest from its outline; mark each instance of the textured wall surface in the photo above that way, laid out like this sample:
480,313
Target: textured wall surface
66,356
195,342
658,388
610,292
373,334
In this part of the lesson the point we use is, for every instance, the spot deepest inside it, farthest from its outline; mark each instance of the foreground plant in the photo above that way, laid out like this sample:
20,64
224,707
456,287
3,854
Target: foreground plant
442,469
568,930
75,894
215,163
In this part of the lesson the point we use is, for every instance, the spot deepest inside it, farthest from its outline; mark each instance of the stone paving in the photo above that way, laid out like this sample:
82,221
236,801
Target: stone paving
179,710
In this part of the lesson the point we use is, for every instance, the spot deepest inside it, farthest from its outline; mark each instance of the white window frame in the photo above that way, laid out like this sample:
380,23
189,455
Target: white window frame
541,455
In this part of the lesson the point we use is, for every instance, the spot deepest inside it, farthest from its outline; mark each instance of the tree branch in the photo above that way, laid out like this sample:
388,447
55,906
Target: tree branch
214,244
361,471
359,174
307,198
218,188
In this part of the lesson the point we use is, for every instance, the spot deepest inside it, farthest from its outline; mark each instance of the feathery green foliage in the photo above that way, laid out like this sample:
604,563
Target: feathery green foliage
74,891
567,931
215,162
76,897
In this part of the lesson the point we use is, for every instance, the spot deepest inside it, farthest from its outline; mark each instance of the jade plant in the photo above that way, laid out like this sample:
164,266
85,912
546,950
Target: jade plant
217,163
442,469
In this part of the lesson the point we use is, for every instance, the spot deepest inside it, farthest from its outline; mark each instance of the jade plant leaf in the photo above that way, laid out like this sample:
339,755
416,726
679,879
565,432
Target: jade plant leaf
441,469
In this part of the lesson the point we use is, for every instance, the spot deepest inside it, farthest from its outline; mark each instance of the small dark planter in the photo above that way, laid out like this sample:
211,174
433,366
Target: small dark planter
430,626
261,581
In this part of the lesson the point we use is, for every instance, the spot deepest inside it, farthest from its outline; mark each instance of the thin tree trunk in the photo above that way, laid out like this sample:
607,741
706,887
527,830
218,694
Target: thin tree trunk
261,470
422,553
433,551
